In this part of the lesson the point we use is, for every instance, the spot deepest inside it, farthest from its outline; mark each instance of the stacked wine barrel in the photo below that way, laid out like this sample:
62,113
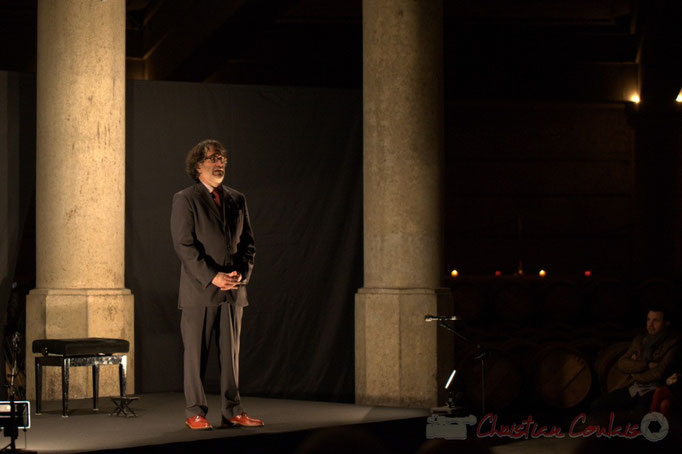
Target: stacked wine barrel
551,342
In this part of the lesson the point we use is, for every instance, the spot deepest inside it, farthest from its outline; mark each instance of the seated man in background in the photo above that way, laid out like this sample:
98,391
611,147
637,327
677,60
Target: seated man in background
646,363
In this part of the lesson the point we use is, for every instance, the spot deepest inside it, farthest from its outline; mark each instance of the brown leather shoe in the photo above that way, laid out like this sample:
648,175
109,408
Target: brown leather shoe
245,420
198,423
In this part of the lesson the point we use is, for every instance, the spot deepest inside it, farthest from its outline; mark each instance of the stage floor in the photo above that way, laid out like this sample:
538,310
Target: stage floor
160,423
291,426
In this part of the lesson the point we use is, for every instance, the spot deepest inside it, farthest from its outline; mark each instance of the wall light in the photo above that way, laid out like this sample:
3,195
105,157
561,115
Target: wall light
635,98
679,97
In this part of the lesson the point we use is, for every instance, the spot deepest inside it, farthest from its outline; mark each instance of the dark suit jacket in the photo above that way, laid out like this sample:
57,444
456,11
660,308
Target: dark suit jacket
208,241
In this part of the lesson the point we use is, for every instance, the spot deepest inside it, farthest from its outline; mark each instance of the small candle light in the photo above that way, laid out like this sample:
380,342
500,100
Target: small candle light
498,273
542,273
454,273
588,273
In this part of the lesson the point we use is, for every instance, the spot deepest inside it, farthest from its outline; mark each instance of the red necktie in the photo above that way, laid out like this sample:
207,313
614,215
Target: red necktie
216,196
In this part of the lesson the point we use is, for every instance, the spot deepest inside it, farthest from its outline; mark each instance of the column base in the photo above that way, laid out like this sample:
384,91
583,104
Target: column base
76,313
401,360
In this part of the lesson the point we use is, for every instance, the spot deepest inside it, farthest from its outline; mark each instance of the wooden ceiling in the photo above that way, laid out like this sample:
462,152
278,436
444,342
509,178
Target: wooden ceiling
542,49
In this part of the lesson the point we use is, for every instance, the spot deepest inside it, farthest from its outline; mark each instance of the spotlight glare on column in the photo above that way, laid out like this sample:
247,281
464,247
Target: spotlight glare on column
635,98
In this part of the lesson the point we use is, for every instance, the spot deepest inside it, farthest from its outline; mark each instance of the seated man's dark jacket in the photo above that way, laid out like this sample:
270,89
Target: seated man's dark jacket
638,369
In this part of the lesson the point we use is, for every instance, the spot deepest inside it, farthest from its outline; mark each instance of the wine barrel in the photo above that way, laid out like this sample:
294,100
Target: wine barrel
606,367
609,301
611,333
493,333
562,302
655,291
563,376
469,301
589,347
555,333
513,302
521,351
502,379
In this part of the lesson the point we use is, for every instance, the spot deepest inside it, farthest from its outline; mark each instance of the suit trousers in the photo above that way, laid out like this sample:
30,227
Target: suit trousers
199,325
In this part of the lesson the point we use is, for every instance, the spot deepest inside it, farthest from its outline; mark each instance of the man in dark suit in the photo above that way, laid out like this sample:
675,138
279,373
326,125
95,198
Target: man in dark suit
212,237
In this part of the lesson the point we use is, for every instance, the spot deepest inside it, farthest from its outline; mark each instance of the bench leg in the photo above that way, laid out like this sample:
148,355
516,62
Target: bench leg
95,386
122,375
39,386
66,363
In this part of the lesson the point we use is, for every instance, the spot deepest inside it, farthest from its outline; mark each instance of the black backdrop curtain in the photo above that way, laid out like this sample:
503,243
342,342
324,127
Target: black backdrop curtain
297,156
17,182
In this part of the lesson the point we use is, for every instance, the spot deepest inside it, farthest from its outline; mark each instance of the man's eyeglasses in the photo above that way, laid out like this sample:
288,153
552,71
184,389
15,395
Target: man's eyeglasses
215,158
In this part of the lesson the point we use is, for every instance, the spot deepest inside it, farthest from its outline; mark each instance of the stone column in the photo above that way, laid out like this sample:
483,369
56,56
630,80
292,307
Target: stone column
397,354
80,186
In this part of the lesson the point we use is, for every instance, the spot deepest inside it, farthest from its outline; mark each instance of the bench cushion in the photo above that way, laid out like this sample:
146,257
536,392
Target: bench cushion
84,346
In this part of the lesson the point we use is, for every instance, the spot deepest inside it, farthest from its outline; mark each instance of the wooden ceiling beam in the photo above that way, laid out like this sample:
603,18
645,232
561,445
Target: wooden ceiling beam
178,28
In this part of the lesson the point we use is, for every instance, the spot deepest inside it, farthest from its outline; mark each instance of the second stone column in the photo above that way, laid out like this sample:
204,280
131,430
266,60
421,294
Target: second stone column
397,354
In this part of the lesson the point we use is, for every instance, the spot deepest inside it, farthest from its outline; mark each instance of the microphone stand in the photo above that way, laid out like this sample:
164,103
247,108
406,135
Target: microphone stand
12,426
482,354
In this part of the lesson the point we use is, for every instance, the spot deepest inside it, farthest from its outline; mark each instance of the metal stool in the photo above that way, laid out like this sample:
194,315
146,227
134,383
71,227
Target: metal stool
65,353
123,406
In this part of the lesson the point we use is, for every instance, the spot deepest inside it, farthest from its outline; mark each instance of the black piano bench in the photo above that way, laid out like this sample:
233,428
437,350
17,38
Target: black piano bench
65,353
